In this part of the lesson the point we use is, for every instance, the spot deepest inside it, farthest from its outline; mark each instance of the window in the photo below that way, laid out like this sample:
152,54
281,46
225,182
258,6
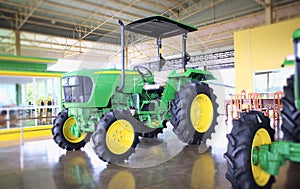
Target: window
271,81
77,88
34,99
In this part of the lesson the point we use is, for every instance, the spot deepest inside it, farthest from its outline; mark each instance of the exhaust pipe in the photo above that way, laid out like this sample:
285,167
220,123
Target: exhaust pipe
184,61
121,87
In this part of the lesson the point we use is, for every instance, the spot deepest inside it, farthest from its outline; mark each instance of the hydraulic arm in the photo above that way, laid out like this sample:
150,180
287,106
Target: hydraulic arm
271,157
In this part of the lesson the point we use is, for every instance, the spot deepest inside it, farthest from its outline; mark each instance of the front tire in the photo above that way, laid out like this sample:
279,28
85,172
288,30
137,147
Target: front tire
63,136
114,137
194,113
251,130
290,114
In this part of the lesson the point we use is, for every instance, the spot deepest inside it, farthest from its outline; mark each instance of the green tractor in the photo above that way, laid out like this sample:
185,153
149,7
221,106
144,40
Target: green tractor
253,157
114,107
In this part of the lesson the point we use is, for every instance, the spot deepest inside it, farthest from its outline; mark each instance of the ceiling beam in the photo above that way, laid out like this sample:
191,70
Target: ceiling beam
108,8
45,18
147,11
171,11
202,7
110,18
55,26
156,4
6,18
268,9
78,10
261,2
73,17
19,26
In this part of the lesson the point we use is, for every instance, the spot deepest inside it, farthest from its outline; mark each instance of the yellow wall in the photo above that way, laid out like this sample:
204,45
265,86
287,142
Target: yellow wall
262,48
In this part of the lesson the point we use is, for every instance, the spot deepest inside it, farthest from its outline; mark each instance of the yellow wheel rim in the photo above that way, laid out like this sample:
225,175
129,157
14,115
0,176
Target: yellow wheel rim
120,137
201,113
260,176
68,133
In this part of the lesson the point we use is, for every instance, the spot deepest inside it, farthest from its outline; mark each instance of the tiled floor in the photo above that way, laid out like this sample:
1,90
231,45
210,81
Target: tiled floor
163,163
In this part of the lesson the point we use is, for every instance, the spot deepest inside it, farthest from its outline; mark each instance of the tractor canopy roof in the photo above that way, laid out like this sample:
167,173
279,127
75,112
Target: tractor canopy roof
159,27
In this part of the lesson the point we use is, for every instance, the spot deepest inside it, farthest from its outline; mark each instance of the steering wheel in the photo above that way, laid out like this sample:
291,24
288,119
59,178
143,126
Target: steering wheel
143,71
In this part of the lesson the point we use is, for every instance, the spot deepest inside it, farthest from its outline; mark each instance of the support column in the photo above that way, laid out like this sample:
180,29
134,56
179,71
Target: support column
268,11
18,94
17,43
126,58
159,53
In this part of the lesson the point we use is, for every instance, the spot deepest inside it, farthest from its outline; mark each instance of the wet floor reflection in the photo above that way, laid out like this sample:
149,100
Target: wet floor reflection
292,175
188,169
41,164
183,171
74,170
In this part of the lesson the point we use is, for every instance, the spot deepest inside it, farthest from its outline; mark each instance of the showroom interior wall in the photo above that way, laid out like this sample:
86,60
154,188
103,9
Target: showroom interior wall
261,49
21,107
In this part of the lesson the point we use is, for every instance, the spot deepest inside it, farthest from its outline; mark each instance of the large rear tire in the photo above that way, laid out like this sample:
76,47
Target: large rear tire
114,137
194,113
63,136
251,130
290,114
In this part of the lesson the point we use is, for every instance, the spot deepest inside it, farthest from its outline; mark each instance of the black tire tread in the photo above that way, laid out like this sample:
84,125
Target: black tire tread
99,137
180,111
58,136
290,114
238,155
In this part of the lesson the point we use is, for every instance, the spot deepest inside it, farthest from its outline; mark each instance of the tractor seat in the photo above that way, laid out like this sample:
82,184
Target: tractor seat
157,88
154,86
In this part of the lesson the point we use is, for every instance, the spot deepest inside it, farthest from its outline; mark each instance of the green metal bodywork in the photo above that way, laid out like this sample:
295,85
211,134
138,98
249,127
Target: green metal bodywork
288,62
104,85
296,34
151,107
295,61
271,157
296,39
25,63
291,62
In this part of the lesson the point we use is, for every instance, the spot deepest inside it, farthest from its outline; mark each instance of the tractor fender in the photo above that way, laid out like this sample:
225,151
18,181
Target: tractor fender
288,61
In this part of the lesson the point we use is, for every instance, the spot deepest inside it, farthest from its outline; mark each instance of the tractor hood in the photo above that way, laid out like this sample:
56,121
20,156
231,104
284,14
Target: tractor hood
94,87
